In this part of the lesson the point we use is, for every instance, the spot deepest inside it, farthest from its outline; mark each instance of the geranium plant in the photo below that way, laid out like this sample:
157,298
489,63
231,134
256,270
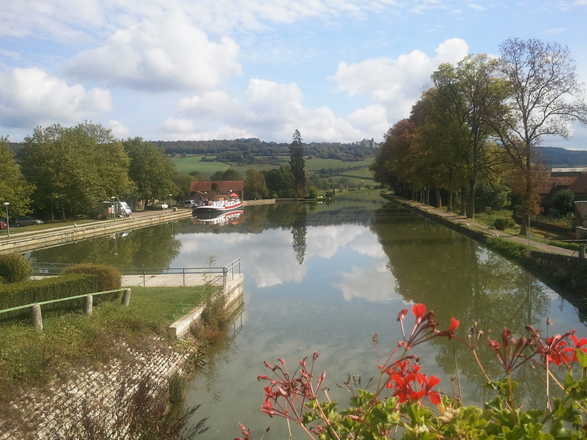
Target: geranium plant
407,404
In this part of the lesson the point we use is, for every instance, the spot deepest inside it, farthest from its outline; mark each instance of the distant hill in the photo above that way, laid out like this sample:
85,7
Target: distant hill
561,157
232,149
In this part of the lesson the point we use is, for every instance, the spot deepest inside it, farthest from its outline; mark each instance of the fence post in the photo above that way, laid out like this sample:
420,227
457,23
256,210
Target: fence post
126,297
37,317
89,305
183,275
144,279
582,251
224,279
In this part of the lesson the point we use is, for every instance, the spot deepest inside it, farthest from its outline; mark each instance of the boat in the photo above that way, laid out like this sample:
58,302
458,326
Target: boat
219,218
222,204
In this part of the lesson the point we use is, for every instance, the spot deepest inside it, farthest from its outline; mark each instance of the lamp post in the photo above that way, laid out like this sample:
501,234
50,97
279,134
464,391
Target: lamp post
114,207
6,205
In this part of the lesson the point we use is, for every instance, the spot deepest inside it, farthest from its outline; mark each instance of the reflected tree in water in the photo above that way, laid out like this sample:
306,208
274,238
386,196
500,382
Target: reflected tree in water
150,248
298,234
455,276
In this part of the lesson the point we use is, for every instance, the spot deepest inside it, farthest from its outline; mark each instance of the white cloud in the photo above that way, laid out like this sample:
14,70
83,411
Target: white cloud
32,96
67,19
168,54
373,284
119,130
269,110
397,83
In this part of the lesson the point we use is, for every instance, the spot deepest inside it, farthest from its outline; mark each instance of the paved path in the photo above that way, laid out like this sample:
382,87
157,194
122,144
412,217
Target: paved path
486,230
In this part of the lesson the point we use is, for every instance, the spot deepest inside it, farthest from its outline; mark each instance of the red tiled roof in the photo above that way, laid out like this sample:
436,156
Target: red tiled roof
223,186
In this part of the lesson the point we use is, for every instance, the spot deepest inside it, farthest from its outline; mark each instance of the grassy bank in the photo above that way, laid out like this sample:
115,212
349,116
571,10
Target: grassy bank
29,358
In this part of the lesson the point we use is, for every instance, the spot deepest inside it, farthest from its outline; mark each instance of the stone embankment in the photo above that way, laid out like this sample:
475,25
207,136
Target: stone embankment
27,241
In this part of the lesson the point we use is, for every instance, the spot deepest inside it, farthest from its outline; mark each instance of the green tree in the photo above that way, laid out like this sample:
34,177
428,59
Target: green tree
470,96
74,169
280,182
14,189
544,96
151,171
255,186
297,163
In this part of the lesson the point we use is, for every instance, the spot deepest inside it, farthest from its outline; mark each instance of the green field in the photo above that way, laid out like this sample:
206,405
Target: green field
194,163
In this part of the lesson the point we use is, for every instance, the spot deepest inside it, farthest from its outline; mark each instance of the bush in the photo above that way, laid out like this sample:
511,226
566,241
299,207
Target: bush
34,291
108,277
501,224
14,268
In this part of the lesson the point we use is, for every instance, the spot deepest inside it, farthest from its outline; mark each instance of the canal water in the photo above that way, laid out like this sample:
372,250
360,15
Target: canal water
327,278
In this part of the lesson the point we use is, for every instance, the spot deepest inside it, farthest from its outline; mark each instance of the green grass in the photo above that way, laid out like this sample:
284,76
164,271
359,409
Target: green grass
75,340
195,163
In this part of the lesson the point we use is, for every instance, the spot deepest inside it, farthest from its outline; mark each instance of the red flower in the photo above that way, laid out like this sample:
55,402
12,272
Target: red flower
246,432
454,324
402,314
577,345
419,311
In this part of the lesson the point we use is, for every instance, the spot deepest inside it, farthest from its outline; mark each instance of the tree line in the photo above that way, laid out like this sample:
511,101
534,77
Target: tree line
251,150
480,125
69,172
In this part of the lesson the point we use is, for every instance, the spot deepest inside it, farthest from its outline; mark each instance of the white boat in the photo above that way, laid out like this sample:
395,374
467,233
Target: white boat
221,205
229,217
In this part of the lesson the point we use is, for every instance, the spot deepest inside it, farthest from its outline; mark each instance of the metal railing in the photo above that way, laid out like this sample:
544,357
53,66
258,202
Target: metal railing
37,315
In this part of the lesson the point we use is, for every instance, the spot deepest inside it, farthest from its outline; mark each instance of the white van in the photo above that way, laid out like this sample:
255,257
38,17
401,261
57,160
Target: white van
123,209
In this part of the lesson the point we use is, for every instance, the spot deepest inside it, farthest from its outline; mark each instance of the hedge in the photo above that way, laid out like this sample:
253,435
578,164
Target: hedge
108,277
28,292
14,268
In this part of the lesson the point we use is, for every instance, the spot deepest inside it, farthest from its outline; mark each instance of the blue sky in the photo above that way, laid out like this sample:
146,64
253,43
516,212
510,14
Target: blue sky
339,70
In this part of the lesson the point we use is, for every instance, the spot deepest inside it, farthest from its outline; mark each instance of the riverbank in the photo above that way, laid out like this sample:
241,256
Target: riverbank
560,268
27,241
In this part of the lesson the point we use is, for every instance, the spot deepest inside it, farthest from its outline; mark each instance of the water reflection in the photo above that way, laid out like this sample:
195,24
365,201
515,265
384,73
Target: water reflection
325,278
151,248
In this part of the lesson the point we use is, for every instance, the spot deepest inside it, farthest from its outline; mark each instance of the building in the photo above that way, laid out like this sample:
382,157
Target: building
219,187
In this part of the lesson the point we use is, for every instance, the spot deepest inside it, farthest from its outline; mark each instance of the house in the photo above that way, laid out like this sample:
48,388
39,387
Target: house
218,187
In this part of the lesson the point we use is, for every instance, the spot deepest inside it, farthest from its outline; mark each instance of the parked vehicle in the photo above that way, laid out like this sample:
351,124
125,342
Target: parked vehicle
123,209
189,203
3,225
25,221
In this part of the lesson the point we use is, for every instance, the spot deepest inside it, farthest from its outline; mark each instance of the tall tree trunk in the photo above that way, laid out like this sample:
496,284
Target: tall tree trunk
438,198
471,195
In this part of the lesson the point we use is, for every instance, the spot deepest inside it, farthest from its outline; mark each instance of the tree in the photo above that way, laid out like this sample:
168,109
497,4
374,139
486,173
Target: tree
471,94
74,169
297,163
14,189
280,182
151,171
255,186
543,100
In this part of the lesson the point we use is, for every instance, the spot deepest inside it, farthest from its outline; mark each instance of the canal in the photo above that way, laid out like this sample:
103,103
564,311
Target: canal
327,278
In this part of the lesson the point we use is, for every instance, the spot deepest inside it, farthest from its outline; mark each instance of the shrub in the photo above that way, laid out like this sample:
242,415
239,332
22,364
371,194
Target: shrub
108,277
14,268
501,224
34,291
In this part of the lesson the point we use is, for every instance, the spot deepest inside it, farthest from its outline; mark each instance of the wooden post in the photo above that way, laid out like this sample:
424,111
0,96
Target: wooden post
89,305
224,279
582,251
183,275
126,297
37,317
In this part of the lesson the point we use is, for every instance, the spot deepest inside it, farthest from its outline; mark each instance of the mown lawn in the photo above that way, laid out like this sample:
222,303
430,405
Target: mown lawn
58,224
28,357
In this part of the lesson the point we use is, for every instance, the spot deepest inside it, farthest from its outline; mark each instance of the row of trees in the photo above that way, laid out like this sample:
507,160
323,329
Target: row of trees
70,171
480,124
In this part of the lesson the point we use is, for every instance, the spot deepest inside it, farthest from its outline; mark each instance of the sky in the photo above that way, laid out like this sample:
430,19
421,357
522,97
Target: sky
337,70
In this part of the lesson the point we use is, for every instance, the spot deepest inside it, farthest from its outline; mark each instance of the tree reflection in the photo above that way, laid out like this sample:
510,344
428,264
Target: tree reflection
149,248
455,276
298,234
